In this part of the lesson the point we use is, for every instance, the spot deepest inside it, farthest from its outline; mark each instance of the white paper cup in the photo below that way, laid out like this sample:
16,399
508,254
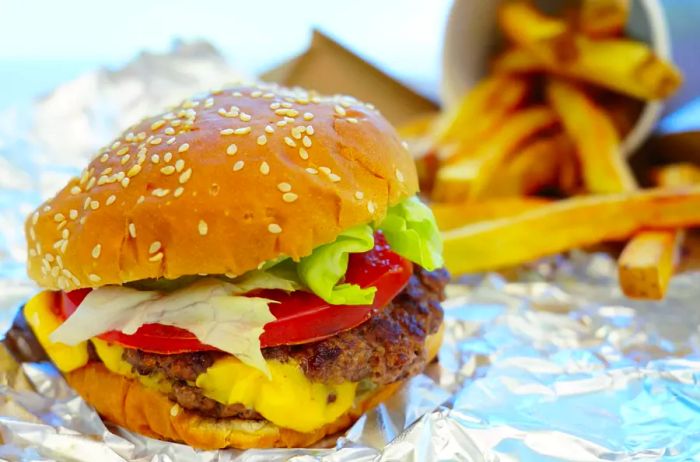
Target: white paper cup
472,37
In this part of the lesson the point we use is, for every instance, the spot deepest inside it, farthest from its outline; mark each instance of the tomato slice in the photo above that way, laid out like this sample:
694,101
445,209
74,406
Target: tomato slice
301,317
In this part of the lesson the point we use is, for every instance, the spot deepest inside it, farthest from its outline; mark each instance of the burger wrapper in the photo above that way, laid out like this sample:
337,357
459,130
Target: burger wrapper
549,362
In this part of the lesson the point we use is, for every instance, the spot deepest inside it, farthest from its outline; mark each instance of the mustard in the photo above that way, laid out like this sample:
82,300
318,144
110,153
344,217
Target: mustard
43,321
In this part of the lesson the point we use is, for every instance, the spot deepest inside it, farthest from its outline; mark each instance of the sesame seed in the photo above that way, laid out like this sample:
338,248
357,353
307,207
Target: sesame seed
287,105
170,141
284,187
371,207
175,410
75,190
154,247
359,195
65,233
73,214
311,170
160,192
178,191
155,141
310,130
290,142
141,199
179,165
334,178
306,141
281,123
156,125
242,130
116,144
303,153
289,197
256,94
167,170
156,257
58,217
325,170
96,251
125,182
132,230
264,168
269,129
245,117
155,158
232,149
262,140
238,165
167,157
134,170
227,131
203,227
352,120
185,176
308,116
123,151
94,278
274,228
110,200
274,106
125,159
399,175
94,205
340,110
183,147
104,158
169,131
35,218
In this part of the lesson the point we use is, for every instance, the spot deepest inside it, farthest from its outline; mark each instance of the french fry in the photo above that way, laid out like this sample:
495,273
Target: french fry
523,23
646,264
680,174
603,18
418,127
454,215
627,66
567,224
597,143
536,166
481,109
472,174
517,60
494,153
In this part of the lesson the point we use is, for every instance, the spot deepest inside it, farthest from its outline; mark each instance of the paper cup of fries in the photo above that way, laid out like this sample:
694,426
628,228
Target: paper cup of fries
473,40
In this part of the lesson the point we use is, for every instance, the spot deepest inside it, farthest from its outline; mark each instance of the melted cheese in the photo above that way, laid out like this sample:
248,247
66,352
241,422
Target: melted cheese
288,398
43,321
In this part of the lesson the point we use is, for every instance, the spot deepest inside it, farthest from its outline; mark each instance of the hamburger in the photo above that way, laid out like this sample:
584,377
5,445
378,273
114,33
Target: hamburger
251,268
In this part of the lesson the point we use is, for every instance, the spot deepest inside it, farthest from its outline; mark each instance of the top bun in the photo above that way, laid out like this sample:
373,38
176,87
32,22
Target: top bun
219,184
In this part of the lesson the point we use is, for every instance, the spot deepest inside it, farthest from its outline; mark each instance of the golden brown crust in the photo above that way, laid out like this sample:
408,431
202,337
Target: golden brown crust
128,403
145,208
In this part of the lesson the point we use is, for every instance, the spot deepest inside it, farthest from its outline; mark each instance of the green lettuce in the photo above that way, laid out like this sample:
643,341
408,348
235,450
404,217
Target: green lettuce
411,231
325,267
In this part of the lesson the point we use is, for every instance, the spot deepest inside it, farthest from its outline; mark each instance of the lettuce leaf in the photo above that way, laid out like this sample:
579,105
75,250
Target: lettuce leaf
411,231
323,269
215,311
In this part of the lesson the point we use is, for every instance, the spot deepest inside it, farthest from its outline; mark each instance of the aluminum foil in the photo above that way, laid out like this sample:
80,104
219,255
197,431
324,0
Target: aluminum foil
547,363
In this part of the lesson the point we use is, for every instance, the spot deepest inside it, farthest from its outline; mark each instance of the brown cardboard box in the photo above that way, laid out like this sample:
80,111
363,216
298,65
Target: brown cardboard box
329,68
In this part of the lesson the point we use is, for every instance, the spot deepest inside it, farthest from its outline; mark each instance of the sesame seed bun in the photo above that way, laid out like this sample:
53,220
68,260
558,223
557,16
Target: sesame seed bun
218,185
128,403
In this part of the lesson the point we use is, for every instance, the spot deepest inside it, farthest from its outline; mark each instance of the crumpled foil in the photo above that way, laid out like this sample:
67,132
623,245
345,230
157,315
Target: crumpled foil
547,363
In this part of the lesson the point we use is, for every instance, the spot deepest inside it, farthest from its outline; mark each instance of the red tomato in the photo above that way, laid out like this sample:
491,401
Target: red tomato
301,317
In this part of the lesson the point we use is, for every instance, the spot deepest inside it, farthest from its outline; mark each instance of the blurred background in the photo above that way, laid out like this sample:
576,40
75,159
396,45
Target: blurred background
44,43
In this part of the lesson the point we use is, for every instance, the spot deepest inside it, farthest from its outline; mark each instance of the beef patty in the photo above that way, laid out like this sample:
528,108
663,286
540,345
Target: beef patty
390,346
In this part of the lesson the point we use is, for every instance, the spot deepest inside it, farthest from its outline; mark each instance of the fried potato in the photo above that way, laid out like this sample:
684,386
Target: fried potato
517,60
603,167
567,224
523,23
481,109
646,264
627,66
603,18
476,169
418,127
454,215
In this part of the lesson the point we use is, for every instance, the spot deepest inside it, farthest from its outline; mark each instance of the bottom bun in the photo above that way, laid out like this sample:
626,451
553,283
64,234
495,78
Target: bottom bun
128,403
